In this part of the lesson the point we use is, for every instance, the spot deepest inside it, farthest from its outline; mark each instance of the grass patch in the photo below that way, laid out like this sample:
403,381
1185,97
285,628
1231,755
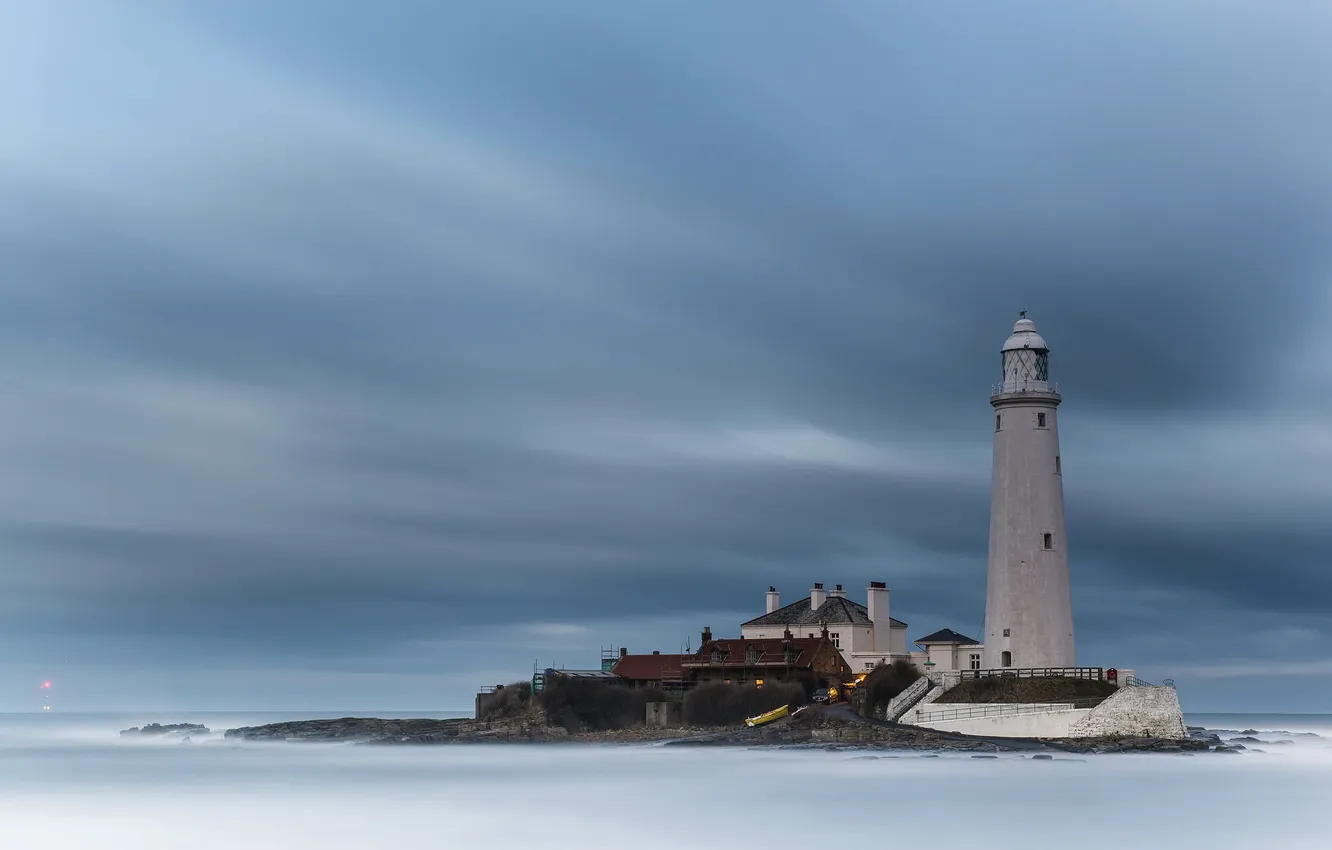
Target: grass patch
1052,689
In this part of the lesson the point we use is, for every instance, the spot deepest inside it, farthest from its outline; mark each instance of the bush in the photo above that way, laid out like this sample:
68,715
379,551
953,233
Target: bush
994,689
725,705
582,705
506,701
884,682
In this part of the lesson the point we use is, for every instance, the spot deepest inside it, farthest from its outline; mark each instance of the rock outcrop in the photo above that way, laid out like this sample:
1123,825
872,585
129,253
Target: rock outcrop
170,730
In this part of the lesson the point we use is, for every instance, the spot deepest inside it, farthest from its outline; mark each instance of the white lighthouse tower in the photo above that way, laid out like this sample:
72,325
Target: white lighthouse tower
1028,607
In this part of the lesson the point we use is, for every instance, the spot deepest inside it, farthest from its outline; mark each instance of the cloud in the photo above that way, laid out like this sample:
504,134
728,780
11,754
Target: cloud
330,347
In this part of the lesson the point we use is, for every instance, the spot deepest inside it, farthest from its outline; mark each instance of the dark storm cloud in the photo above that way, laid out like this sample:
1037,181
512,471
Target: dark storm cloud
331,336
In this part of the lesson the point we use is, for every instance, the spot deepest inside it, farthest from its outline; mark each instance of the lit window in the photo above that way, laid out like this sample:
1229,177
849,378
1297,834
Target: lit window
1006,659
1049,540
1040,420
758,683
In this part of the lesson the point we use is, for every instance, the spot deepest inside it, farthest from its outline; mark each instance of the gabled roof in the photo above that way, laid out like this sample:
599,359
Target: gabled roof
642,668
835,610
770,652
948,636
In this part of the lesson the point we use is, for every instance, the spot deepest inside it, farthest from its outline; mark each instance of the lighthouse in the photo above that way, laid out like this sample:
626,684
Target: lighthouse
1028,605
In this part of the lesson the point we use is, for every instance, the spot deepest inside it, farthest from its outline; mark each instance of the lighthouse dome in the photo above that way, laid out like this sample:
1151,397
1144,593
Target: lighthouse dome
1024,336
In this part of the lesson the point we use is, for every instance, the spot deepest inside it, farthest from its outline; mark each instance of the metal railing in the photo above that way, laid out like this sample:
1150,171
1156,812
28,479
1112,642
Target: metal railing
1135,682
1096,674
1004,710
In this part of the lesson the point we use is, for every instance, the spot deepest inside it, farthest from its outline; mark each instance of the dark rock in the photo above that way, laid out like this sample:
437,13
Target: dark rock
168,730
1225,749
1042,757
1246,739
1249,732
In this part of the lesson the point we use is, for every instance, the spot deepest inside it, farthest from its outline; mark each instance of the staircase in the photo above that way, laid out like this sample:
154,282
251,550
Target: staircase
905,701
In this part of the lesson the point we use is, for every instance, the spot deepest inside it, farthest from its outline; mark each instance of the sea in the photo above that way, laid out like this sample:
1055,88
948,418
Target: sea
71,781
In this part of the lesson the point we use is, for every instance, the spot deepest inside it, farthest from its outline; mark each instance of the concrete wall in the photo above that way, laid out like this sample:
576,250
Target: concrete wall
1152,712
1047,724
664,714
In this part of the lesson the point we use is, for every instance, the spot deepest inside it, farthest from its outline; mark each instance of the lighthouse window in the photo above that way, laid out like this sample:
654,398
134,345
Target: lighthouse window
998,420
1040,420
1058,471
1049,540
1007,659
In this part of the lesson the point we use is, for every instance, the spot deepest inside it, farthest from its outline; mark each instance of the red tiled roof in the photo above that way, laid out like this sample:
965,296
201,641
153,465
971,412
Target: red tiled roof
771,651
648,667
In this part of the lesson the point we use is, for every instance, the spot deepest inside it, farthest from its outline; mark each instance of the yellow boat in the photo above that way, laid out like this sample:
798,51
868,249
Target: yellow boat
775,714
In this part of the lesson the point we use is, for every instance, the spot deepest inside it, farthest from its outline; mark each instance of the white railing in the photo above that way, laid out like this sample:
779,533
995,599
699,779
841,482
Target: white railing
1001,710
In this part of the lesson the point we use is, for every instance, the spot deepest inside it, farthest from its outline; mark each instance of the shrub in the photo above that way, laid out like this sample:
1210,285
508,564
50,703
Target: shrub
884,682
582,705
506,701
721,704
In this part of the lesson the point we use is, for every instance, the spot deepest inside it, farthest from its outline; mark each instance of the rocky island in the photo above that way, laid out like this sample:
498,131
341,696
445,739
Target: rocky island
825,727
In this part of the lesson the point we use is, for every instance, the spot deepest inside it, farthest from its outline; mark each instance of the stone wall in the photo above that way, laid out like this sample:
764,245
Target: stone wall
1151,712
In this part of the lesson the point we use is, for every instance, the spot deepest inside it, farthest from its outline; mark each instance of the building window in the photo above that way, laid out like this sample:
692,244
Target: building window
1058,470
758,683
1049,540
751,655
998,420
836,639
1008,632
975,662
1040,420
1006,659
869,665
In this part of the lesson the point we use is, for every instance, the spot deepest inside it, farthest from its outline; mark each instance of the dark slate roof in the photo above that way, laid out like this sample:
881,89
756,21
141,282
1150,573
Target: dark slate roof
836,610
947,636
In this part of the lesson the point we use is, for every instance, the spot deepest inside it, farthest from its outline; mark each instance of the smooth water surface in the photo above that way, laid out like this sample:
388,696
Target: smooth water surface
69,781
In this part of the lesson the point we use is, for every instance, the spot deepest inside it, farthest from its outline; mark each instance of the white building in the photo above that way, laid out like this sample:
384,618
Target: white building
946,651
865,634
1028,610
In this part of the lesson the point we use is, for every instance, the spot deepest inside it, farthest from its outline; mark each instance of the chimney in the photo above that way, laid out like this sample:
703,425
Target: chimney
837,592
817,596
774,599
877,606
624,650
786,635
707,634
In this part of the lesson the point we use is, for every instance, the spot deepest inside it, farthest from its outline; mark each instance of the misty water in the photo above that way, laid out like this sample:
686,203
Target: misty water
70,781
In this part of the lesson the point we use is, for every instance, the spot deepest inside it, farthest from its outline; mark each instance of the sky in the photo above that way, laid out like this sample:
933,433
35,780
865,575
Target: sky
355,355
